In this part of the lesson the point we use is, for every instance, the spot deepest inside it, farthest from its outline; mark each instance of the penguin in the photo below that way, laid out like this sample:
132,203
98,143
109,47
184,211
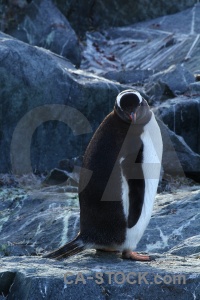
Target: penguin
116,204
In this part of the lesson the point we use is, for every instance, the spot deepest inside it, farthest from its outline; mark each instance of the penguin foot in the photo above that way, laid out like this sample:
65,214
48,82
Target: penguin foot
136,256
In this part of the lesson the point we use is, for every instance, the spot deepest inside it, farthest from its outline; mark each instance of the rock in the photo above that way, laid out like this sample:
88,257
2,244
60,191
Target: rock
55,177
187,247
32,214
171,208
171,82
45,26
123,48
11,13
45,285
152,45
178,158
129,77
194,89
182,116
181,141
72,168
67,175
69,164
8,180
43,220
52,109
38,278
174,22
85,15
6,281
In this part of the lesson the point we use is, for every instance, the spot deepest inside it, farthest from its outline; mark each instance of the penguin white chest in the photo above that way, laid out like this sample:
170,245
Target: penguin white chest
125,192
151,165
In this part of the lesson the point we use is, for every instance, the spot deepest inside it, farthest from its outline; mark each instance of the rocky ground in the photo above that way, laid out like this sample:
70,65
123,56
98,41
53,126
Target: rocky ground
35,219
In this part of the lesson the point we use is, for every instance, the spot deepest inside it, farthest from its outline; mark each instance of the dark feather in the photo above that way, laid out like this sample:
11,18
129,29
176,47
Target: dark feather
67,250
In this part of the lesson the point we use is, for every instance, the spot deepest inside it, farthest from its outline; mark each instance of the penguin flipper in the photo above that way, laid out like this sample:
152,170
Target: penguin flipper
66,250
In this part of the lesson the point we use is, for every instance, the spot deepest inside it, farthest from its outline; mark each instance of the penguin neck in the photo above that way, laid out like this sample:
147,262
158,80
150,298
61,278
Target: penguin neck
143,120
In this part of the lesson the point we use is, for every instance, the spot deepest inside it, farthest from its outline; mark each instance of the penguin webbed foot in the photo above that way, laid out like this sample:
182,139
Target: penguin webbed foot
128,254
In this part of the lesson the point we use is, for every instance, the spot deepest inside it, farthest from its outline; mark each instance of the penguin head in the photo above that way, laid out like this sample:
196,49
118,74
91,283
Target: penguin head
131,107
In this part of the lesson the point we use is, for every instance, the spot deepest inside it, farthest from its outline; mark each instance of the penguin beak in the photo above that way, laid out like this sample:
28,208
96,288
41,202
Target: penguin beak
133,117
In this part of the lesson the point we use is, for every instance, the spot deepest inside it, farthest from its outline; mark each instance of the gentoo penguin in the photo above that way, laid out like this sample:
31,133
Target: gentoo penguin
124,156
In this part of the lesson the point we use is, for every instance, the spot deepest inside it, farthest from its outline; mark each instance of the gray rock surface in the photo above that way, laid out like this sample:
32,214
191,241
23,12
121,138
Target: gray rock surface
182,116
194,89
156,45
34,278
49,105
56,176
85,15
133,77
169,83
178,158
36,219
45,26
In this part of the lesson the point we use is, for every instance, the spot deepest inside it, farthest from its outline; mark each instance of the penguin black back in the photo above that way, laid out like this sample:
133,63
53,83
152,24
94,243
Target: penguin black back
100,211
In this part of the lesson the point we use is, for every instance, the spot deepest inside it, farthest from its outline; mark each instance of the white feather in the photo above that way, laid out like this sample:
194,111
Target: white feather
125,192
152,156
128,92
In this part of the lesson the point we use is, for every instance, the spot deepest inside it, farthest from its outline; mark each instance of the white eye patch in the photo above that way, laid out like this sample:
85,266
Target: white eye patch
128,92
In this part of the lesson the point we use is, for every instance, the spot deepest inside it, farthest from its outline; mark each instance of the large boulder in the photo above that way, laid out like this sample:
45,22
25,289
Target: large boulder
182,116
132,77
178,158
180,133
171,82
194,89
45,26
99,276
152,45
85,15
49,109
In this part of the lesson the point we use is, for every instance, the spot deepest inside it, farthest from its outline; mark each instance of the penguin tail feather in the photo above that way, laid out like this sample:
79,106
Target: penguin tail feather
67,250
